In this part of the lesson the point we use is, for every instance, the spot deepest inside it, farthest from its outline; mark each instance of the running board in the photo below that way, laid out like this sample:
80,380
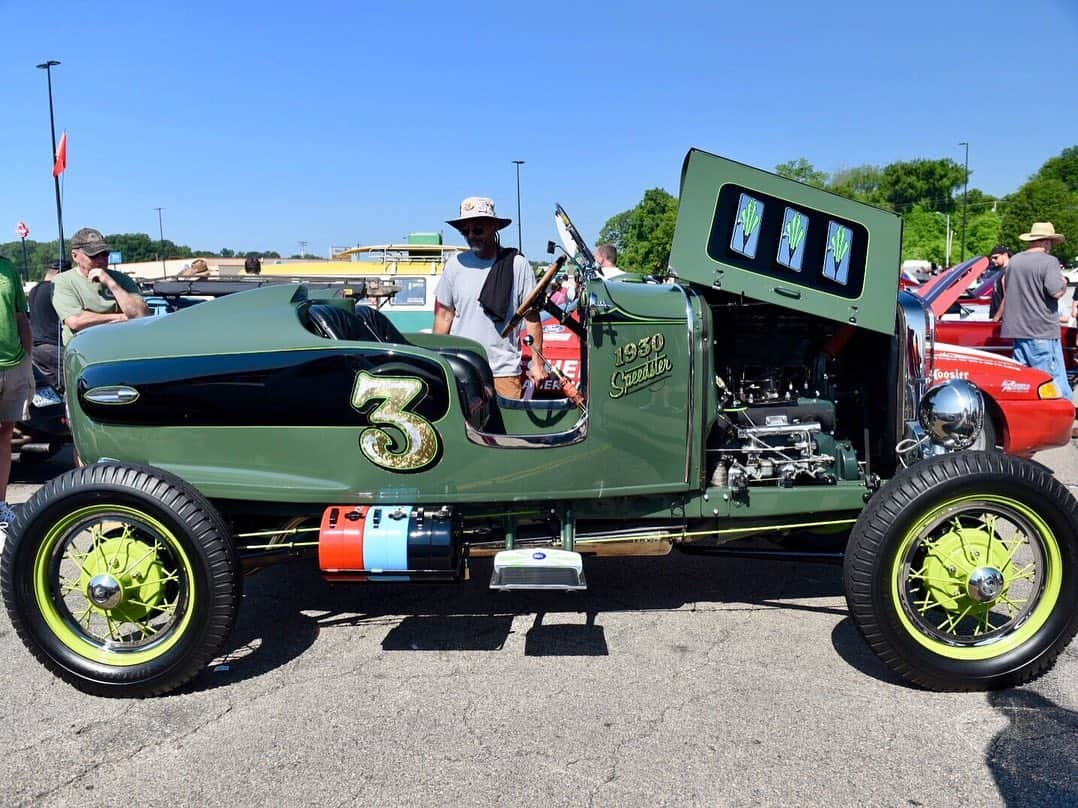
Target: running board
538,568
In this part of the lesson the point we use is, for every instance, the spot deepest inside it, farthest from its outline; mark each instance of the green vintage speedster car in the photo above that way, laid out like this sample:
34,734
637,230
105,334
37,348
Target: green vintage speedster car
773,384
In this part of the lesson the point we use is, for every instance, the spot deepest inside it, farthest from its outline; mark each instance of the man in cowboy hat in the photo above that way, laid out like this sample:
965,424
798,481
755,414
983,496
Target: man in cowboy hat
481,289
1031,309
92,294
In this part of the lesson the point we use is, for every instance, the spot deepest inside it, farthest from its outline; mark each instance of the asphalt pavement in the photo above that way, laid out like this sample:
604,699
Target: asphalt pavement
675,681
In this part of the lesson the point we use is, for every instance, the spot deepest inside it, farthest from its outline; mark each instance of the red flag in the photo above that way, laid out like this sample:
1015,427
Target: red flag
61,156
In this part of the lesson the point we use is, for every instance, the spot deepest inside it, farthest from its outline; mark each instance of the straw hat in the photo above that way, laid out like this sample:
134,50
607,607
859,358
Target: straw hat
1043,231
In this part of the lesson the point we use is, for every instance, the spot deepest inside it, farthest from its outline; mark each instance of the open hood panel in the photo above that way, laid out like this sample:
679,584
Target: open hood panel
750,232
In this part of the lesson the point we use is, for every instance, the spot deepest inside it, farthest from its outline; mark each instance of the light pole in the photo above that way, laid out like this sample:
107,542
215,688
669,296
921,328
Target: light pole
47,67
946,238
161,242
520,237
965,199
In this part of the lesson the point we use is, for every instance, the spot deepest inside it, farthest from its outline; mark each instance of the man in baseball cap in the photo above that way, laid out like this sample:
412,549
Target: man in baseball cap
998,258
92,294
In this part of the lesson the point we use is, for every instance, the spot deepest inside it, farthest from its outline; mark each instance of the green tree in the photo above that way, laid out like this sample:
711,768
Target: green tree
928,184
924,236
1062,167
39,255
649,233
1041,200
862,183
976,200
802,171
135,247
613,232
982,232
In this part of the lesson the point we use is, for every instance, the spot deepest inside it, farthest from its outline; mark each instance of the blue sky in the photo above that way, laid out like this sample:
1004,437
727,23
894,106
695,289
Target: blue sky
258,125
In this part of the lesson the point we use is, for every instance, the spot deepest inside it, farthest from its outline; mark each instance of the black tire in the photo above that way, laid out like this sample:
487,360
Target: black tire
122,580
988,440
937,579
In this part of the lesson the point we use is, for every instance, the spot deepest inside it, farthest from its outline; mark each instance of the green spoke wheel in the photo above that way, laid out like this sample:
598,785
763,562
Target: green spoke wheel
121,579
962,573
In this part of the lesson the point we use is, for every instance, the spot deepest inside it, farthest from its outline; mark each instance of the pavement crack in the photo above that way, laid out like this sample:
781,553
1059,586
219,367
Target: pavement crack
177,739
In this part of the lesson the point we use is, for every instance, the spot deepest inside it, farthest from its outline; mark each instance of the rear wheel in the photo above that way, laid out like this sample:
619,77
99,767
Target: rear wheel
122,580
962,573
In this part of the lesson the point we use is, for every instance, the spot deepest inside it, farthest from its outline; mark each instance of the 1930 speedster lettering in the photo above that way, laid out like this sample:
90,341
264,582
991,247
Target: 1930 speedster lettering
627,380
396,393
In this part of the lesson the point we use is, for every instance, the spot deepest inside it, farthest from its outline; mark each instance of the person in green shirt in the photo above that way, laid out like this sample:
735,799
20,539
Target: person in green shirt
16,373
90,293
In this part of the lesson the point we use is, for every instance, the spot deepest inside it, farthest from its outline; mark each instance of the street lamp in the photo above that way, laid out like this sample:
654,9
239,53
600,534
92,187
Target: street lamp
520,237
161,242
946,237
47,67
965,199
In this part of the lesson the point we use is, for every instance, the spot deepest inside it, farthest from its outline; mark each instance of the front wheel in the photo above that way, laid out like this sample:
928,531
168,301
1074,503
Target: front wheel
122,580
962,573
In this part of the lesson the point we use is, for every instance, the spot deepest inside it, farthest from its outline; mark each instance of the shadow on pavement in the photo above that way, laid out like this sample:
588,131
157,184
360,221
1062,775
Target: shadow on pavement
286,607
847,641
1034,759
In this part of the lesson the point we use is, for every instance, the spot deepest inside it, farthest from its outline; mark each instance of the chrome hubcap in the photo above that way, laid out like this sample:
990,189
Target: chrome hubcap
985,584
104,591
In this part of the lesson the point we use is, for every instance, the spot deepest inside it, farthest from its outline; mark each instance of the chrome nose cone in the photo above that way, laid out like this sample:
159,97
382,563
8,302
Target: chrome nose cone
985,584
104,591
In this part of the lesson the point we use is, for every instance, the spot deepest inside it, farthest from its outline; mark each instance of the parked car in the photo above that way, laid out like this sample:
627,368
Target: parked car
959,299
777,384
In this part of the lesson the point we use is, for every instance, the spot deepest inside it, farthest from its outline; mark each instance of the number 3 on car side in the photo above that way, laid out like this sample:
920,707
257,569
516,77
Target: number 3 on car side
421,444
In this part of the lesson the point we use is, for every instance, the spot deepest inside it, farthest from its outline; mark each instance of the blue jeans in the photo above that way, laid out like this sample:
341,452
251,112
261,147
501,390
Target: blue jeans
1046,355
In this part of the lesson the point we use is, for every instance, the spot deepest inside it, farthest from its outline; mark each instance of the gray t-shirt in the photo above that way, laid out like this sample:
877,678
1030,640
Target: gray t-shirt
459,288
1030,310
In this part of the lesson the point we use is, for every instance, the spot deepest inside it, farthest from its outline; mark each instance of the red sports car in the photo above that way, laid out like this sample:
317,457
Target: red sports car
960,296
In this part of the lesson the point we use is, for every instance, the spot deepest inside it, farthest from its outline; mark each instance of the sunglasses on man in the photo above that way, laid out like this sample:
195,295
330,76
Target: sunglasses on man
473,229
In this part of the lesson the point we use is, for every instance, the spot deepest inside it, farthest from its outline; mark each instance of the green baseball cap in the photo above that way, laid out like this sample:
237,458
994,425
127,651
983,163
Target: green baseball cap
90,241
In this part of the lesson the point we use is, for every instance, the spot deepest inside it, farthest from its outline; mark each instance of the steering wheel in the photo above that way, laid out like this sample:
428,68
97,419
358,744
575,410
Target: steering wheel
536,294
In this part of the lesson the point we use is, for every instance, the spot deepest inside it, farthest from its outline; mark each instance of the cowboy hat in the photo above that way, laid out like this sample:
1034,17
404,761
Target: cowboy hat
478,207
1043,231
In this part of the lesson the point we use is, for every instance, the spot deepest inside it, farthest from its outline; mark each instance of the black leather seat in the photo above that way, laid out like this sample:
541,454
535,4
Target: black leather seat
475,382
334,322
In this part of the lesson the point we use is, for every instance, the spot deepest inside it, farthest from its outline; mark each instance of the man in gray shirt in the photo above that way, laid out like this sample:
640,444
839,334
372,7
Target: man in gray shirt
1035,283
481,289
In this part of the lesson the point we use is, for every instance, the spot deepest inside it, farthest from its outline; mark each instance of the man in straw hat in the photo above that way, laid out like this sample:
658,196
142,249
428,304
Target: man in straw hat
481,289
91,293
1035,283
